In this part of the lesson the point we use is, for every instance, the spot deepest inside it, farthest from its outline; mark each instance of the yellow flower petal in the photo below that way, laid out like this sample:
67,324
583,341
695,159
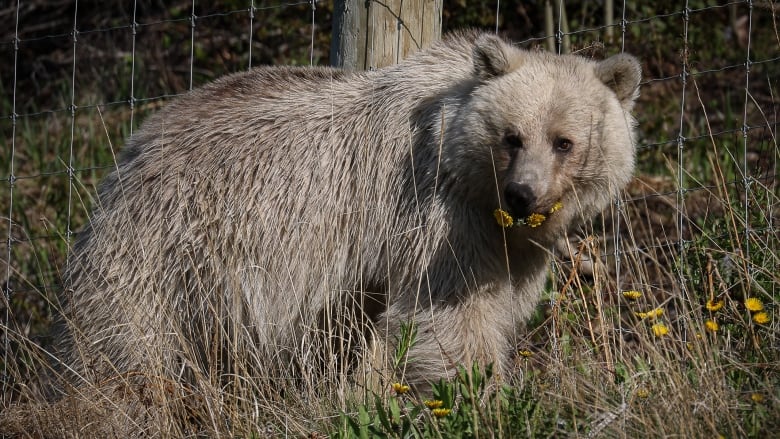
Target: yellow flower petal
400,388
433,403
711,325
754,304
642,393
441,412
659,329
715,305
761,318
556,207
632,294
535,220
525,353
503,218
652,314
757,398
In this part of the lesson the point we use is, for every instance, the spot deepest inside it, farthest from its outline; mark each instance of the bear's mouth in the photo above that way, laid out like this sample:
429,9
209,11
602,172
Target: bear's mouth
535,219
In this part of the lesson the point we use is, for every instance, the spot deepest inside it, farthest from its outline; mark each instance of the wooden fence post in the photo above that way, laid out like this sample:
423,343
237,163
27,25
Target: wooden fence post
369,34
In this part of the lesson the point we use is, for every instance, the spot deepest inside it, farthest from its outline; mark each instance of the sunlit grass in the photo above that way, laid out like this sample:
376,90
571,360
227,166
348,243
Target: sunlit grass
672,331
683,346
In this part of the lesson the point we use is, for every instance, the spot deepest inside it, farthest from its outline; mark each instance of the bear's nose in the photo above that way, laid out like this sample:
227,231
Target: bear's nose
520,198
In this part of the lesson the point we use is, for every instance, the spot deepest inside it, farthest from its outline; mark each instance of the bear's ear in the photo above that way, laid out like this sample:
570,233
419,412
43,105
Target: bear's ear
491,57
622,74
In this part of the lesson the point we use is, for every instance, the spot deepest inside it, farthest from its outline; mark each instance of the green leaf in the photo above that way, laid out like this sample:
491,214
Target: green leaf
365,420
395,411
382,415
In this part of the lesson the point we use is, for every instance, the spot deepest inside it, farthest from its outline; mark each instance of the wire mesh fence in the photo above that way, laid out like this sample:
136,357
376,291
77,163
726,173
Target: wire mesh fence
79,76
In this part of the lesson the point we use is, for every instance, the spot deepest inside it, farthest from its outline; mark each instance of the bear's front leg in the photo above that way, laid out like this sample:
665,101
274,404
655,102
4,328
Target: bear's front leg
478,327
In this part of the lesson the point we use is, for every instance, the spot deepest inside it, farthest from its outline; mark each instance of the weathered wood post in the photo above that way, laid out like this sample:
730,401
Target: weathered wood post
369,34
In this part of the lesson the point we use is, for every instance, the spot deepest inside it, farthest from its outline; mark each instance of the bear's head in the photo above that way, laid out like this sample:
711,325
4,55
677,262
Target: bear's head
540,130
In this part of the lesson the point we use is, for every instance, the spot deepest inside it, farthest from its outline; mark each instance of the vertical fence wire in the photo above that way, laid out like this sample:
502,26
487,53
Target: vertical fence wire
620,212
398,26
623,26
746,177
251,32
7,287
71,170
193,18
498,12
134,30
681,184
313,28
559,27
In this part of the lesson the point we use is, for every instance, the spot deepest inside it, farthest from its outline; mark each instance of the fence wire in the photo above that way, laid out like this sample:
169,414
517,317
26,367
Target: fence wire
74,85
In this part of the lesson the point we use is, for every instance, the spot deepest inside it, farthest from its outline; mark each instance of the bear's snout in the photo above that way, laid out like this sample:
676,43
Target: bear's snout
520,199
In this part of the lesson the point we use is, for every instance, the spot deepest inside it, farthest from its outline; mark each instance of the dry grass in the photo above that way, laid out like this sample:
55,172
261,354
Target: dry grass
592,362
688,233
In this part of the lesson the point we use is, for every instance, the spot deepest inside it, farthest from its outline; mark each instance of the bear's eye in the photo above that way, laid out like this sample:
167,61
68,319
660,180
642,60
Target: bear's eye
513,140
563,144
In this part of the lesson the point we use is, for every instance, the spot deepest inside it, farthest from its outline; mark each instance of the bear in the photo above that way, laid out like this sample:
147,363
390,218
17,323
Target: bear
288,221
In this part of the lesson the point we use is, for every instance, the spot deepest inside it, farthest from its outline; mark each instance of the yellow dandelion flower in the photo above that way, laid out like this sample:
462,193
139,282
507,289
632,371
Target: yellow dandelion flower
632,295
659,329
556,207
535,220
525,353
754,304
441,412
433,403
757,398
713,305
400,388
652,314
503,218
761,318
642,393
711,325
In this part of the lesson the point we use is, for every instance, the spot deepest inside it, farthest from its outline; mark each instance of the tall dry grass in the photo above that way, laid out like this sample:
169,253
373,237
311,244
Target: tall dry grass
594,362
697,228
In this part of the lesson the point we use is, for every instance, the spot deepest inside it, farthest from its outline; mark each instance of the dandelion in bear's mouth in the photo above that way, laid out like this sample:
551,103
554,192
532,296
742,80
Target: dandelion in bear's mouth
504,219
535,220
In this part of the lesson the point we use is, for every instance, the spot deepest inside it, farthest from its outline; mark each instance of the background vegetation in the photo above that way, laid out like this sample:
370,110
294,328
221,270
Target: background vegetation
696,233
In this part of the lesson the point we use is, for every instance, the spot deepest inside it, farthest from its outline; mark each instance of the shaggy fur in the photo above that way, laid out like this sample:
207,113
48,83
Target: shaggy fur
279,218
